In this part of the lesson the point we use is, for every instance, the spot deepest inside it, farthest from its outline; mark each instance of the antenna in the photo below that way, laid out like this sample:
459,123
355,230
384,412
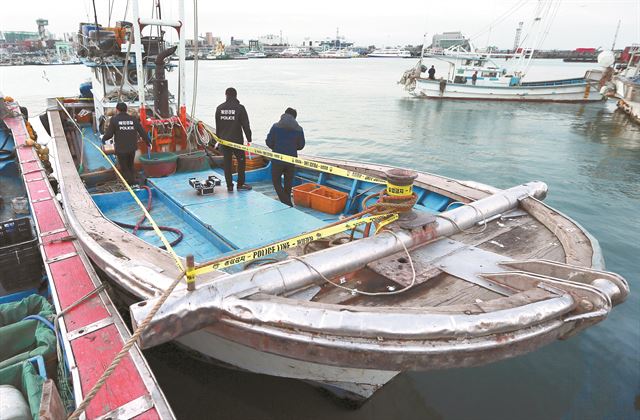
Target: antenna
516,41
615,37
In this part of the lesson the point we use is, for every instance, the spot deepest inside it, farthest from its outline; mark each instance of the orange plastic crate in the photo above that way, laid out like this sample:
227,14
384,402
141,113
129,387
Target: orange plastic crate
328,200
302,194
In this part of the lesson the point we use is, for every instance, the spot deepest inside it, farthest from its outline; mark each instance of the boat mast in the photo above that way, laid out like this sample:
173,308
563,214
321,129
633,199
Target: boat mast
424,43
615,37
544,11
138,52
181,58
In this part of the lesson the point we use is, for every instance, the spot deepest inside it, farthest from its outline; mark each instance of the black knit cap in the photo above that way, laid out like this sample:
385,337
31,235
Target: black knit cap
121,106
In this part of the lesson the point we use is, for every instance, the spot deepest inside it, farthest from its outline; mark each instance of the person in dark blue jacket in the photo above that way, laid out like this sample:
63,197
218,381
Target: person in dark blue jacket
285,137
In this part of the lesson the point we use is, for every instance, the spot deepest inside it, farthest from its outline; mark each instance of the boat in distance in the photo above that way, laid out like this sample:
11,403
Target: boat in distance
390,52
425,273
472,75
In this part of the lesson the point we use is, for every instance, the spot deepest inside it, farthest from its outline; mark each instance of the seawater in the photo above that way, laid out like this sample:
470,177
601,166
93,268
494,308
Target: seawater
589,155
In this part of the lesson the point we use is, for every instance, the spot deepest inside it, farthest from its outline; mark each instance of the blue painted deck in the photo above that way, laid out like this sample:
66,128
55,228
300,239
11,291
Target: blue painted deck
6,143
11,185
212,224
244,219
119,206
93,159
225,222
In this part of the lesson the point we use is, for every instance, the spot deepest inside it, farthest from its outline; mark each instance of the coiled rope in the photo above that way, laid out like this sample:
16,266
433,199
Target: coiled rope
139,226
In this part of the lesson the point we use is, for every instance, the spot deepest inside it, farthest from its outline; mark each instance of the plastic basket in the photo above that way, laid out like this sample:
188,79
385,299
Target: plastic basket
328,200
160,164
302,194
194,161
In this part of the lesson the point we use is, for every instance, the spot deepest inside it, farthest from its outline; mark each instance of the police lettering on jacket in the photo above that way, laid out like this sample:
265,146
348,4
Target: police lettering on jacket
231,121
125,130
125,125
228,114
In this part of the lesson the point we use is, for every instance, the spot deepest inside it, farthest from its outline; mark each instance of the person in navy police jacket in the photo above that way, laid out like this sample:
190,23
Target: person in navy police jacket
285,137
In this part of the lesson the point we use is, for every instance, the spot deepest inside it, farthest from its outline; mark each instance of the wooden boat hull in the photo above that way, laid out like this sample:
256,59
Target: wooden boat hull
358,348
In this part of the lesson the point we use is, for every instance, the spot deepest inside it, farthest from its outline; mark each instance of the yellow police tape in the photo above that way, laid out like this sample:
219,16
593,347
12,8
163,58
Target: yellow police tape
399,190
152,222
157,230
305,238
306,163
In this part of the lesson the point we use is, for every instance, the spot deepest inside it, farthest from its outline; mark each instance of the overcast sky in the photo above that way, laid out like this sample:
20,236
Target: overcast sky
578,23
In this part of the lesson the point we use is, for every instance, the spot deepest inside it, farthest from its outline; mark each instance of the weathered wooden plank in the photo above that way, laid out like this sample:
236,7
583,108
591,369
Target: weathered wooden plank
577,246
528,241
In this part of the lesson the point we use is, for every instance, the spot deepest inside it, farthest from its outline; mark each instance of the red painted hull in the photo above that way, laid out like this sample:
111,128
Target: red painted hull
93,331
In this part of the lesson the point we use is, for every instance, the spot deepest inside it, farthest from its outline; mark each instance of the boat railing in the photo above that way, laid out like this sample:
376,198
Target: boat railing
575,81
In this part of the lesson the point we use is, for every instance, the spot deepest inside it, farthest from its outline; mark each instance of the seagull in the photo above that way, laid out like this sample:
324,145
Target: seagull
44,76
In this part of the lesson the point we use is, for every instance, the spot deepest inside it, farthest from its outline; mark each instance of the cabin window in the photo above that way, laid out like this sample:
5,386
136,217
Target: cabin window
489,74
460,71
460,79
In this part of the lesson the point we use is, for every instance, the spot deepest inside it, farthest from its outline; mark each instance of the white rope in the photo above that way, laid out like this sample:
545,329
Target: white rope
354,291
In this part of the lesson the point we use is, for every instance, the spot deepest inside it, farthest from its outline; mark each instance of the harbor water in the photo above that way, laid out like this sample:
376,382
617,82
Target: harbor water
589,155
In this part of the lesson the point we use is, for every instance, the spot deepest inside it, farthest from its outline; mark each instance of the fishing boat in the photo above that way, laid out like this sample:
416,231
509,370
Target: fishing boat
475,75
375,271
54,311
338,53
255,54
390,52
625,84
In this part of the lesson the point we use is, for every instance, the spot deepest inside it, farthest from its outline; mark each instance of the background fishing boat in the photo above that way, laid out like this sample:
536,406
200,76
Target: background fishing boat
390,52
472,74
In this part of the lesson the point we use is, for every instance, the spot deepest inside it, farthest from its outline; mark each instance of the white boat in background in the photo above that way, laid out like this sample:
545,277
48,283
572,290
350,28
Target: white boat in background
255,54
625,85
389,52
497,83
474,75
338,53
295,52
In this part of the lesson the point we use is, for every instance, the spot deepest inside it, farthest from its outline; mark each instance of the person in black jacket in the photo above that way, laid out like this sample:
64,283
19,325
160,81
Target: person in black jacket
285,137
125,130
231,121
432,73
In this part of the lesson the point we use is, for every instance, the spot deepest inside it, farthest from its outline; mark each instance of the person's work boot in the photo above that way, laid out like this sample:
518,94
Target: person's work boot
230,188
244,187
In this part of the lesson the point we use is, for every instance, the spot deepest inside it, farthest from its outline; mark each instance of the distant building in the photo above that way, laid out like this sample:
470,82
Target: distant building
449,39
236,42
272,44
271,39
254,45
13,37
209,38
